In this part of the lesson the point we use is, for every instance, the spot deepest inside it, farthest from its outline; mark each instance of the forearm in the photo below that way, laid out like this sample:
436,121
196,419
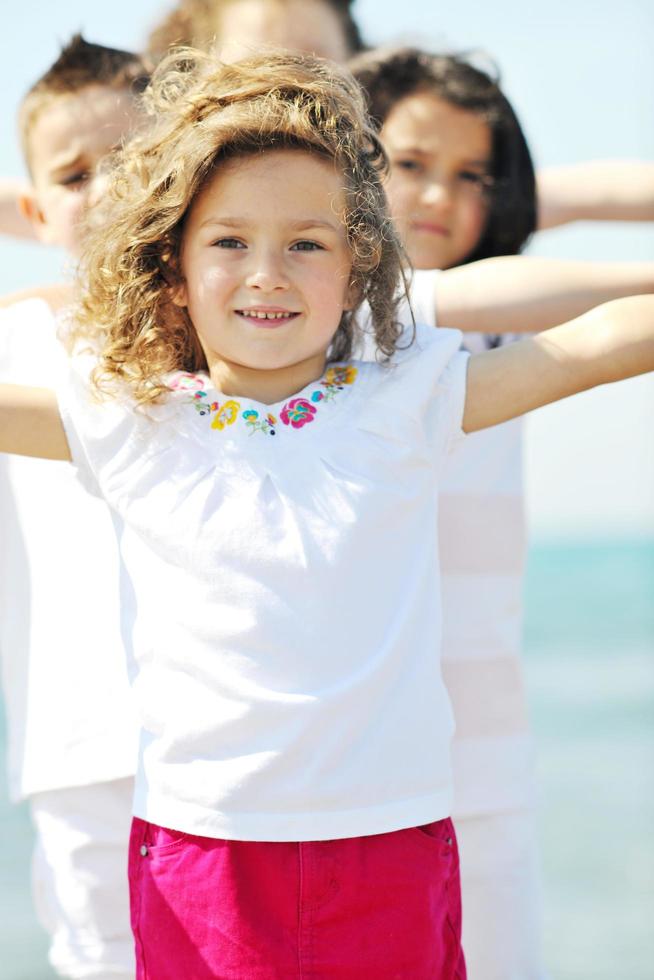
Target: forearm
30,424
521,294
603,190
611,343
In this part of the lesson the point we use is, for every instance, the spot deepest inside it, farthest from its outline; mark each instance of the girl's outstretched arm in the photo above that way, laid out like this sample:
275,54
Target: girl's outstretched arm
524,294
600,190
30,423
610,343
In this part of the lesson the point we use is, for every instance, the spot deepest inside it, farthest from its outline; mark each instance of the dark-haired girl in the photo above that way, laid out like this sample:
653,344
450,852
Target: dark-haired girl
463,196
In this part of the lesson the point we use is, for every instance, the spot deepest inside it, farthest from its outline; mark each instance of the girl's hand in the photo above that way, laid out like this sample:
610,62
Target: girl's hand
30,423
610,343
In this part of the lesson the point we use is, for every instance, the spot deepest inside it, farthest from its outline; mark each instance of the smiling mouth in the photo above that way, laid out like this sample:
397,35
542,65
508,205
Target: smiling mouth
274,316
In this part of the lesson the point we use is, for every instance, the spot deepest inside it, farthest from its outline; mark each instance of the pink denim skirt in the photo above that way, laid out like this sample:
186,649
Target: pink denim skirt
383,907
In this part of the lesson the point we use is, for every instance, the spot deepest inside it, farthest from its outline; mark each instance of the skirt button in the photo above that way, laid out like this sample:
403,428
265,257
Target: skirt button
144,850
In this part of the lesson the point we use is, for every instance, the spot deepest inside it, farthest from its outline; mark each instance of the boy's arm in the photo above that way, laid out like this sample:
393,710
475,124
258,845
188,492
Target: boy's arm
30,423
602,190
612,342
524,294
12,221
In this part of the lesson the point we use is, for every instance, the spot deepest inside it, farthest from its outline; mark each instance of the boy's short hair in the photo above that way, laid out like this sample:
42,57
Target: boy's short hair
192,22
389,75
80,65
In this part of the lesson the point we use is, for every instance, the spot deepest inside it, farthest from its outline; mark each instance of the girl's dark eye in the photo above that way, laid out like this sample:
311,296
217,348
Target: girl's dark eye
411,166
229,243
306,246
482,181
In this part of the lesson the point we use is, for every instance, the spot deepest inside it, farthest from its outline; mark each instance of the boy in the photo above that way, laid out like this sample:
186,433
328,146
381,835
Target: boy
72,746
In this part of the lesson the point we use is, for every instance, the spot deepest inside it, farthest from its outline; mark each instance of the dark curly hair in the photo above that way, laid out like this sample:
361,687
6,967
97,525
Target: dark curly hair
390,75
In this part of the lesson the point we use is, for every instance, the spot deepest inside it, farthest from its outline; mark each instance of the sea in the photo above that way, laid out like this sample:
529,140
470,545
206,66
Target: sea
589,653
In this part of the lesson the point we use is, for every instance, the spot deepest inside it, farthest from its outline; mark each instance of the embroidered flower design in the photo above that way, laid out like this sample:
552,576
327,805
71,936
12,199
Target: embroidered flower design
185,382
255,424
226,415
202,405
342,374
297,412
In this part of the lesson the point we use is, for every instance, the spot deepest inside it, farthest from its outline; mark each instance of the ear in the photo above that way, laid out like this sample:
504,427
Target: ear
30,209
352,295
179,294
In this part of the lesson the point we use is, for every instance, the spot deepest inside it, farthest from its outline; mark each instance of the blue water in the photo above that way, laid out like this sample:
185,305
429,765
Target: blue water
590,667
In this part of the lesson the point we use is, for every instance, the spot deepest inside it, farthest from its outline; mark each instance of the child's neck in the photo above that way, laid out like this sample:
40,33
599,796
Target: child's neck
265,386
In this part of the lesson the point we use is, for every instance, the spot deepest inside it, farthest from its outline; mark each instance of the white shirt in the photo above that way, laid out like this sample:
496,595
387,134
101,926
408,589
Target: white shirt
482,552
281,589
70,720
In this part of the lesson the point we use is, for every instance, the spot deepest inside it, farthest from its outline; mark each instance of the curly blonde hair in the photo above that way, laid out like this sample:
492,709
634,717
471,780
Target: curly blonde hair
204,113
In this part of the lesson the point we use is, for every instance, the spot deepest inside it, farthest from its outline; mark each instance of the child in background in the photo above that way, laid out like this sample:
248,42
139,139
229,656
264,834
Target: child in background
237,27
71,724
462,192
277,510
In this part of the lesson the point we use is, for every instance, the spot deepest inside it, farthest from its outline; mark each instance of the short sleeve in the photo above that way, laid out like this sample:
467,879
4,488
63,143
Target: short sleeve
418,397
422,292
101,432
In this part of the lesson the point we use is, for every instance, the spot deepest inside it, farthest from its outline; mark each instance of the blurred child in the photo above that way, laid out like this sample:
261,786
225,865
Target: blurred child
237,27
277,510
462,192
71,728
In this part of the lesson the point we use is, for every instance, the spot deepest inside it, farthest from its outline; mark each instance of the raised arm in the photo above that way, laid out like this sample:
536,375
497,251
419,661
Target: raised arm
56,295
610,343
30,424
602,190
524,294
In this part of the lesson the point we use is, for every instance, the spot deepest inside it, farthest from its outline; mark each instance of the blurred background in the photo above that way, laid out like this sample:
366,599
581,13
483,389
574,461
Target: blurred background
580,74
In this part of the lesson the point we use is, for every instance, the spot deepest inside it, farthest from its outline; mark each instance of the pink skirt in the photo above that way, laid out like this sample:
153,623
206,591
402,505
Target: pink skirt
382,907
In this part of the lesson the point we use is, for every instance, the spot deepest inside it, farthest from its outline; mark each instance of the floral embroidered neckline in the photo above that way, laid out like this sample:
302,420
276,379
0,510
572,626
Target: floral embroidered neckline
295,413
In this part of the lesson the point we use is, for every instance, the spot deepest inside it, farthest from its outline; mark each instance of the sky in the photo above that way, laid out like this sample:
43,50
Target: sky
581,77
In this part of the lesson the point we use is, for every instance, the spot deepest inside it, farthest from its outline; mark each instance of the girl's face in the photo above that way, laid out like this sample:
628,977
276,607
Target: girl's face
266,265
297,25
440,158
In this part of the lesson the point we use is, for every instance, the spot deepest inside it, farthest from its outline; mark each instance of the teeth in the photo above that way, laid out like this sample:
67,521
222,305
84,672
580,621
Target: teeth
259,315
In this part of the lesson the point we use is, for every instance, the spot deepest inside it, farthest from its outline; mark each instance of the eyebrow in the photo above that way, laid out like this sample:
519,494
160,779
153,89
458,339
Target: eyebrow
305,225
485,162
65,161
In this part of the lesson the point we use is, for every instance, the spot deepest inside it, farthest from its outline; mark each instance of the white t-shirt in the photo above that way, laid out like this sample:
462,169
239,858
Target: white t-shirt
482,553
70,720
281,566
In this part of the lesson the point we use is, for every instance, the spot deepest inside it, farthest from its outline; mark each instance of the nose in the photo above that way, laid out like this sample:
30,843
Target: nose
436,191
267,272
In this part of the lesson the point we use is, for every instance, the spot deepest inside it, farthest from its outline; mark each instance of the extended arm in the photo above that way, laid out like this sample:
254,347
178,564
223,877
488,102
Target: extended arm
30,423
603,190
521,294
612,342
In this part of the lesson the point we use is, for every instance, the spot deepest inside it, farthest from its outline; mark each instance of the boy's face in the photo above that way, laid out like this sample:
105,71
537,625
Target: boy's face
297,25
440,158
68,139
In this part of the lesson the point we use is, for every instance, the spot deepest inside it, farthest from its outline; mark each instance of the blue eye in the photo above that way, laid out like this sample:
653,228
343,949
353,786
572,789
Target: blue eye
306,246
229,243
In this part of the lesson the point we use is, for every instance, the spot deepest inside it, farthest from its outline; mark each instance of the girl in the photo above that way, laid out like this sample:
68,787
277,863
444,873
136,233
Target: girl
277,514
461,187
